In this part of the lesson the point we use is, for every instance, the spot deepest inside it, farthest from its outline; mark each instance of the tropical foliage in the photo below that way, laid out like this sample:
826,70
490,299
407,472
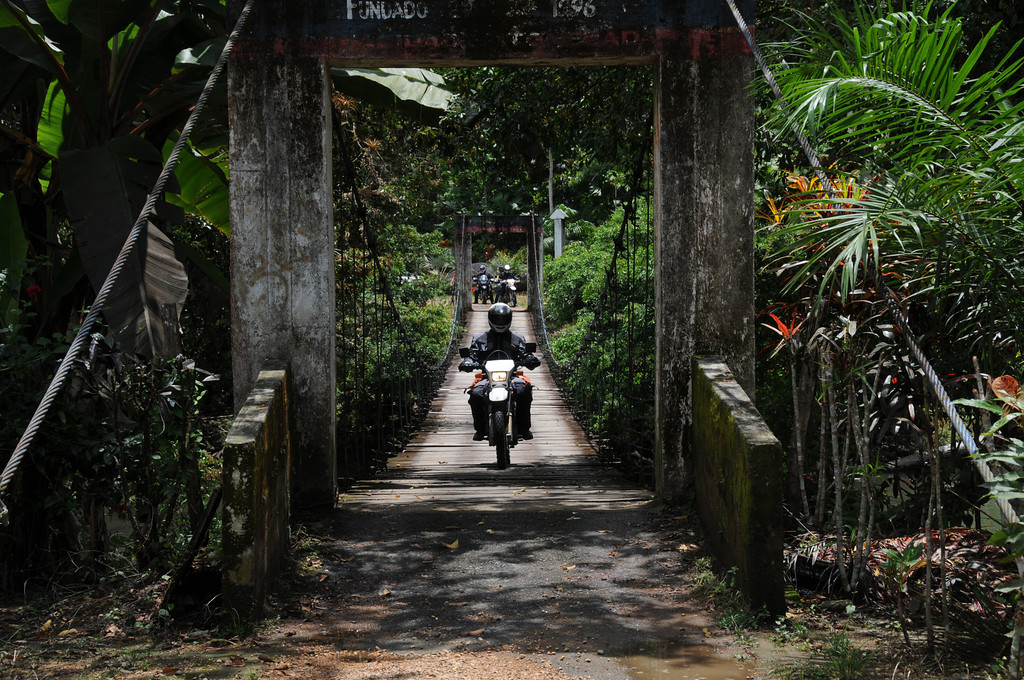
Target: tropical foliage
90,100
520,128
599,304
936,148
921,193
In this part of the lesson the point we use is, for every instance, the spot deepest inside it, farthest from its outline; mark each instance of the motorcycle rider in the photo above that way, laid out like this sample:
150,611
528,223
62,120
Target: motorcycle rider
500,337
482,286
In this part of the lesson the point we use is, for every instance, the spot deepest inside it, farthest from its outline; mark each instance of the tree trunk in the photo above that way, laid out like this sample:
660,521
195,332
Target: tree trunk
802,388
819,501
838,471
861,547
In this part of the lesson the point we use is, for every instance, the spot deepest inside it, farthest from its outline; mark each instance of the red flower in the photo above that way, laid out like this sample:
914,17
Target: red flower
33,292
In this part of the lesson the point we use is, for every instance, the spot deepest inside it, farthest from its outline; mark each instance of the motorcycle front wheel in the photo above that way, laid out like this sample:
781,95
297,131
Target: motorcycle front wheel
498,438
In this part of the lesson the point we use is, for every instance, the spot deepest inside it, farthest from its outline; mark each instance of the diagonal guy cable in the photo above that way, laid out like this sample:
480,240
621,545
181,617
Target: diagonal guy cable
67,363
1009,515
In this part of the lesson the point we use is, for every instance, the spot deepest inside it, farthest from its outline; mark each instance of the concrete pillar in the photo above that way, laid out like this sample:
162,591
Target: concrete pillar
282,251
703,234
558,216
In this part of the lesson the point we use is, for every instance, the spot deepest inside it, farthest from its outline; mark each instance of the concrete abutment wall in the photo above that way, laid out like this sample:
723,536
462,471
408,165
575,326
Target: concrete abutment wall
739,476
256,508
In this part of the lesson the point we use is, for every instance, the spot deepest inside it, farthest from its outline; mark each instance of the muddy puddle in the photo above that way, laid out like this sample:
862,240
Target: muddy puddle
675,661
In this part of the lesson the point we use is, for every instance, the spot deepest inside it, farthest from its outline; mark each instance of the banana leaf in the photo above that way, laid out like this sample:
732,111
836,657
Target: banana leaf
203,187
104,190
416,92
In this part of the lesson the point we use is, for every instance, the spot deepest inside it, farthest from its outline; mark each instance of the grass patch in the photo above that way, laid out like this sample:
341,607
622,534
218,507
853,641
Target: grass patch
734,614
841,660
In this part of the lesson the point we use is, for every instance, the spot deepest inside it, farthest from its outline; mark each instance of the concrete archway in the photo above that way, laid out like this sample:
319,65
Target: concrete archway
282,263
530,226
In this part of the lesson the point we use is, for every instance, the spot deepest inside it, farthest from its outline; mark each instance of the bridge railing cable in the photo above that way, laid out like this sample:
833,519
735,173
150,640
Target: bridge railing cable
387,376
607,377
82,338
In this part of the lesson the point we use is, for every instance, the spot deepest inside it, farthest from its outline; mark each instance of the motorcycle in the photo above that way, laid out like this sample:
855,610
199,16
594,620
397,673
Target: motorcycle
507,291
483,291
499,369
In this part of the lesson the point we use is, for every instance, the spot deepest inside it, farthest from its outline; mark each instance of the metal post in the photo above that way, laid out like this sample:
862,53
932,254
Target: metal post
532,265
538,235
462,283
467,257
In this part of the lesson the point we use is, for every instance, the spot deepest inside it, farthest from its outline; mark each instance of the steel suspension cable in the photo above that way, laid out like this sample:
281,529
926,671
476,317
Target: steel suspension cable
370,240
891,302
629,213
84,332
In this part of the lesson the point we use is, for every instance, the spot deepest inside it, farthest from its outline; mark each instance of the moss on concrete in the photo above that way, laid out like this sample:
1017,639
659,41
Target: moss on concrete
738,470
256,493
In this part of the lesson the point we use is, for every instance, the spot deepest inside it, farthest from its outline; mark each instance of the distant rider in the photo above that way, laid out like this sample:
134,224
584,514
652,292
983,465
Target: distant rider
499,316
482,286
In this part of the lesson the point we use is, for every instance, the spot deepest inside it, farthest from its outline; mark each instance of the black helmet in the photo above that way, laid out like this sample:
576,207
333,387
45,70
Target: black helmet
500,317
482,267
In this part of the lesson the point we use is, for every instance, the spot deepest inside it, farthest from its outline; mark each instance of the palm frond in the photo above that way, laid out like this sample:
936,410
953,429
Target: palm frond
939,149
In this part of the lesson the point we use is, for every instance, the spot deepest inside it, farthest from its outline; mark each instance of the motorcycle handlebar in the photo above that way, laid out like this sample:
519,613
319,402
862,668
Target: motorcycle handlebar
468,366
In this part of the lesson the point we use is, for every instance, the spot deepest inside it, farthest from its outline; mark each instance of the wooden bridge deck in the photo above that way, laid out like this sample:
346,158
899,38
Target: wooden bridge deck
443,465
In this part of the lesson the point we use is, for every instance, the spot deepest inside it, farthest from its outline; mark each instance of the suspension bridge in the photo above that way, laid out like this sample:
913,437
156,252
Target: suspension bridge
558,560
655,394
671,390
443,466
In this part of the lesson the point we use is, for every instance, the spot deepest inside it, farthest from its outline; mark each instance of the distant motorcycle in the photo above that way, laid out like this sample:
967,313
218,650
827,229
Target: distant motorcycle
499,369
484,290
507,291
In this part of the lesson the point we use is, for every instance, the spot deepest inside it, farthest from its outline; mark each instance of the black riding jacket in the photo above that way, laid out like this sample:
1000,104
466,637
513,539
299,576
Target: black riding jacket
513,343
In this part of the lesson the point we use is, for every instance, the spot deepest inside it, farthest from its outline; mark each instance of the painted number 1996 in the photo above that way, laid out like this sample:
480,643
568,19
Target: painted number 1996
571,8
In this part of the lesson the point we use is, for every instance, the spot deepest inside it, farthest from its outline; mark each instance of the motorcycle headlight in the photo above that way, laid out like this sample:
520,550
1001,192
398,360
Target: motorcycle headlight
499,376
